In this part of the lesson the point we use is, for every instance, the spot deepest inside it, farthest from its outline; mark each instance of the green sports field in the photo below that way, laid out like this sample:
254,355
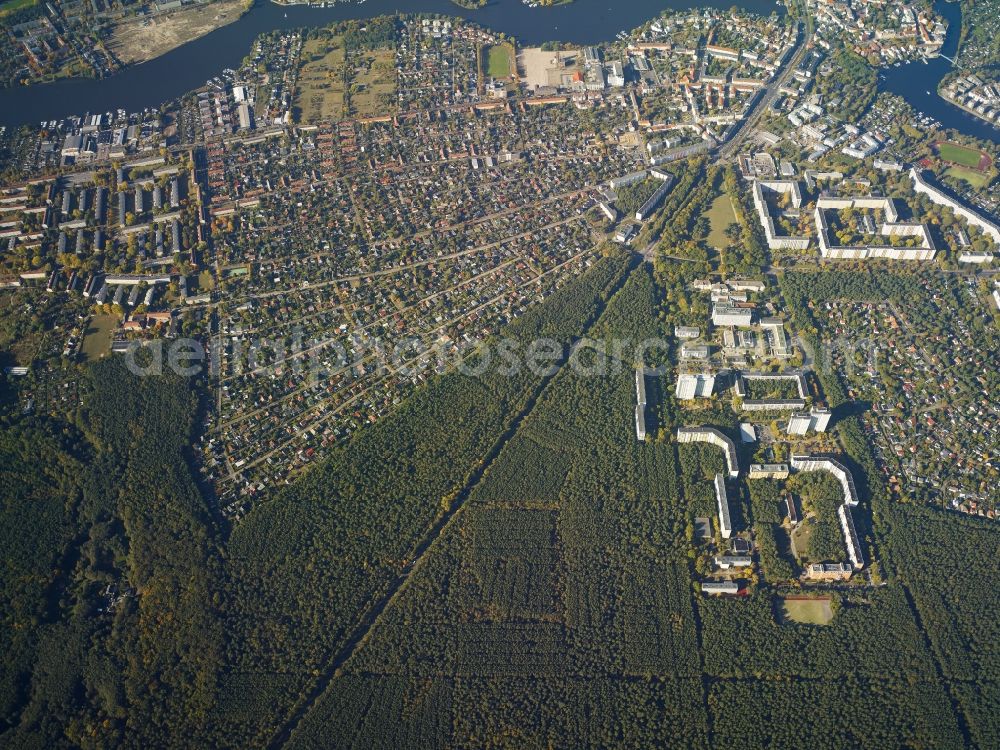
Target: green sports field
807,611
962,155
498,61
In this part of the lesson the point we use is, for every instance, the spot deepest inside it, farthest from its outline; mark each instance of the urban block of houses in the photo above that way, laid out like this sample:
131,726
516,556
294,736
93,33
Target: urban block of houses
941,198
891,227
846,480
771,404
781,187
654,201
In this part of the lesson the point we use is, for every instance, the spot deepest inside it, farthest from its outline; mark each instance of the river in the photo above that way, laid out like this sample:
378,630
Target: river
582,22
917,82
187,67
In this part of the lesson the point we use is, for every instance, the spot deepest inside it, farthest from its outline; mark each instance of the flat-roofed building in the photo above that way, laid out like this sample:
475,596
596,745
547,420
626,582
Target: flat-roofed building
686,333
719,588
829,571
768,471
722,503
696,385
729,315
698,352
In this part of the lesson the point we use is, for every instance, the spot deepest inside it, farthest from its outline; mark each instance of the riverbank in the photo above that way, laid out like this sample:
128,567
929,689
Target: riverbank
968,110
187,67
140,40
917,82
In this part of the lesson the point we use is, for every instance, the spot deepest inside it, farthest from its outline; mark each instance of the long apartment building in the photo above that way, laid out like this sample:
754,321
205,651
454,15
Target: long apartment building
771,404
846,480
941,198
640,403
714,437
722,501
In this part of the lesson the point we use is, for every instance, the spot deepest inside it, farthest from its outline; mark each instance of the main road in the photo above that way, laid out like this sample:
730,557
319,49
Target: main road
729,148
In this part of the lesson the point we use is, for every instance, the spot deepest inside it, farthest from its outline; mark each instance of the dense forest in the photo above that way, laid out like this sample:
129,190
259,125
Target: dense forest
111,572
499,562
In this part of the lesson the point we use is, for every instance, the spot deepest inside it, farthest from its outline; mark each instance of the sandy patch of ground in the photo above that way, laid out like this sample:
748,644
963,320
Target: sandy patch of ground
537,67
139,40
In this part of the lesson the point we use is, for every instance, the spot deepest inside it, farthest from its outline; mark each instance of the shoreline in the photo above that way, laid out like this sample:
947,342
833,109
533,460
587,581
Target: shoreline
968,110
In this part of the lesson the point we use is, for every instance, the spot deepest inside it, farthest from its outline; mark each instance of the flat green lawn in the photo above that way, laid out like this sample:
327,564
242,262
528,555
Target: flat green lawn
963,155
498,61
97,337
10,6
973,177
807,611
720,215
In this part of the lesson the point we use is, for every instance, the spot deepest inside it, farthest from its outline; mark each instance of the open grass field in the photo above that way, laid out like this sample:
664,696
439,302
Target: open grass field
97,337
972,176
720,215
962,156
498,61
806,611
11,6
319,96
373,83
799,539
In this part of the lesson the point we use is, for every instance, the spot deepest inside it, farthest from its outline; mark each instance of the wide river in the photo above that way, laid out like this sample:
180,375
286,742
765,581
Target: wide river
582,22
188,66
917,82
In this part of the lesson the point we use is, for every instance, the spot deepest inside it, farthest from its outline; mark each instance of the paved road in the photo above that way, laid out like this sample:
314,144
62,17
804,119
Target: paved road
731,147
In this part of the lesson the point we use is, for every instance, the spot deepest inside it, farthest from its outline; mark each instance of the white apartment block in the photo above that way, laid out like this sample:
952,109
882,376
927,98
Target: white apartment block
784,187
892,227
842,475
700,385
713,437
722,501
801,423
941,198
